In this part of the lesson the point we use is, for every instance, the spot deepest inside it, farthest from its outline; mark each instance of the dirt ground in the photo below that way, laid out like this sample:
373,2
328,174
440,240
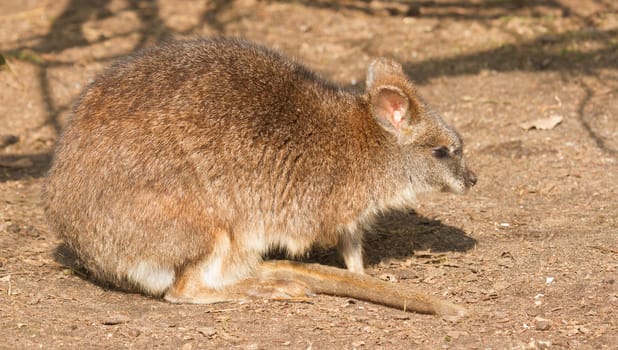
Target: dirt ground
531,251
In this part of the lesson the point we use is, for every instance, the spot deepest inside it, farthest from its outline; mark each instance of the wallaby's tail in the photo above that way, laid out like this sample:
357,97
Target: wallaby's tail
338,282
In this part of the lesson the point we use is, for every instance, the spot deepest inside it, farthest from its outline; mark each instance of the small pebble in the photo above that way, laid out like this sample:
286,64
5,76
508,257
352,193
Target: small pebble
542,324
207,331
6,140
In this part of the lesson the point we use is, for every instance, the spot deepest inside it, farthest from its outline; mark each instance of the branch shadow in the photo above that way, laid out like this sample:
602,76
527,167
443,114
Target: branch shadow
211,15
461,10
15,167
600,142
541,54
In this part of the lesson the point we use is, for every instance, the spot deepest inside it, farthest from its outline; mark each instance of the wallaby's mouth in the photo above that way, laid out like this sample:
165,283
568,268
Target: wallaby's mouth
459,188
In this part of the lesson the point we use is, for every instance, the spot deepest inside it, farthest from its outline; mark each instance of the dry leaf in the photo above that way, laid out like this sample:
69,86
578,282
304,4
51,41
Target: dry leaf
543,123
388,277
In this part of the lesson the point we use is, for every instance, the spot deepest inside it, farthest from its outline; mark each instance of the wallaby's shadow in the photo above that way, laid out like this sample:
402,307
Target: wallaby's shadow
397,234
65,256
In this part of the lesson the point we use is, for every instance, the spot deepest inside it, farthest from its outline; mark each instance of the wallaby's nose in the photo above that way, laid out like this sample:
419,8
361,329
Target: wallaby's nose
472,178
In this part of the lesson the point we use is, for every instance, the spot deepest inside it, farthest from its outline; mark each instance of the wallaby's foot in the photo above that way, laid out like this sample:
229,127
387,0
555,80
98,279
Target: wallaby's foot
278,289
244,290
190,288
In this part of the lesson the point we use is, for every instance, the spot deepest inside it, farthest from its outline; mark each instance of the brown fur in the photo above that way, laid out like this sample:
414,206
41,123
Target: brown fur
184,164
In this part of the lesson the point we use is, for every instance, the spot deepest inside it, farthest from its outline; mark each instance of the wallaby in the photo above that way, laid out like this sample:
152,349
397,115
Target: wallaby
183,165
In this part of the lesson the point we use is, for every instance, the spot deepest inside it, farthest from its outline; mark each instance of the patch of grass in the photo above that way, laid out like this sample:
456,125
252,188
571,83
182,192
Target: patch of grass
28,55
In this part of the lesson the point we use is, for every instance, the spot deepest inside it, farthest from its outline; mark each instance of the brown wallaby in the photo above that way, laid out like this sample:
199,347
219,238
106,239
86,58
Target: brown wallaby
186,163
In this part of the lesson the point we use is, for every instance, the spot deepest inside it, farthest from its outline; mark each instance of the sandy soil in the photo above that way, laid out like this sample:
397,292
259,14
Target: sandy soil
532,251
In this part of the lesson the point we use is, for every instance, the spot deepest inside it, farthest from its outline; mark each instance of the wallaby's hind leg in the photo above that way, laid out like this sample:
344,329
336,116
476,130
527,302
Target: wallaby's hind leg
189,287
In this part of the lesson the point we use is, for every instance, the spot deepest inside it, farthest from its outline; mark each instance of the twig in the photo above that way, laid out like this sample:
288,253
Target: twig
222,310
554,106
604,249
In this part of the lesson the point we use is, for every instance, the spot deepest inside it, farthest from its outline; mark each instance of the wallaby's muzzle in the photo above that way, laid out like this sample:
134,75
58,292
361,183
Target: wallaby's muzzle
470,178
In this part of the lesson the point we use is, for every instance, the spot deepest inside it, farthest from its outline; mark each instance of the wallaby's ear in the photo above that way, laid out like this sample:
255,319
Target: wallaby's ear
391,107
391,96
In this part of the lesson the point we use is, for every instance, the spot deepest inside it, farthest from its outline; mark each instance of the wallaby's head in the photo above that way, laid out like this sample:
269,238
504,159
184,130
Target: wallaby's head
430,151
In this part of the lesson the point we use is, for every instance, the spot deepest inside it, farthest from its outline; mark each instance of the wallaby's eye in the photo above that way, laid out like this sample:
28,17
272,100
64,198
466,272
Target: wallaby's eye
439,152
